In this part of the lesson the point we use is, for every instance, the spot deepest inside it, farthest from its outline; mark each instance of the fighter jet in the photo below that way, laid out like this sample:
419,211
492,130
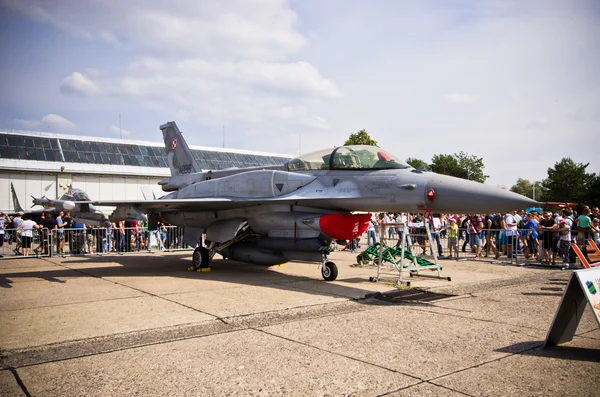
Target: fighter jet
293,211
82,211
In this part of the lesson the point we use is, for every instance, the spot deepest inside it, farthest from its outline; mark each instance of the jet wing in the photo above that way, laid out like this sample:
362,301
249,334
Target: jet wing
219,204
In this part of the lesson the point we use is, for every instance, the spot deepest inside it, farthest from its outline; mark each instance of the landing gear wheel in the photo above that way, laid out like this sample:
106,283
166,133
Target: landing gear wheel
200,258
329,271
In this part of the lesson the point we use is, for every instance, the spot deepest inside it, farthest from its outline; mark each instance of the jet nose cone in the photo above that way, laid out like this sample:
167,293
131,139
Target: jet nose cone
457,195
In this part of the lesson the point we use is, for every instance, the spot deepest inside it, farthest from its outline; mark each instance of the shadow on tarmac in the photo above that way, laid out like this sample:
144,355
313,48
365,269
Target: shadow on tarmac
176,264
534,348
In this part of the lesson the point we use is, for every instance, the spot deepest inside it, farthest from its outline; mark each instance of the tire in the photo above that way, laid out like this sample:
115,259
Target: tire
329,271
200,258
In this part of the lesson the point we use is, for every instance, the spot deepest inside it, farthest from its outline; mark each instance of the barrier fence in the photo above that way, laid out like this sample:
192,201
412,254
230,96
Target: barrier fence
95,240
518,248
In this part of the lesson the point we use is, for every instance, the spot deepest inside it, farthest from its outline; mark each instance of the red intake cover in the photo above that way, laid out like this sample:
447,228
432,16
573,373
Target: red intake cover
344,226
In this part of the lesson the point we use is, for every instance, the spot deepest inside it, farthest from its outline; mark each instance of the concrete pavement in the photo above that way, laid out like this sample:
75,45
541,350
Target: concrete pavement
144,325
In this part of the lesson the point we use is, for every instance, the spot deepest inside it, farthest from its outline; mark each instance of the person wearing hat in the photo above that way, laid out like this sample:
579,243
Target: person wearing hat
452,229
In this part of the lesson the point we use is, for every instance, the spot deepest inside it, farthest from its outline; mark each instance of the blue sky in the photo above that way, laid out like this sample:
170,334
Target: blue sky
517,83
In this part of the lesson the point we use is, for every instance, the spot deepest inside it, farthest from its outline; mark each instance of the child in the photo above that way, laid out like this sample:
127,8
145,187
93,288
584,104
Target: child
452,230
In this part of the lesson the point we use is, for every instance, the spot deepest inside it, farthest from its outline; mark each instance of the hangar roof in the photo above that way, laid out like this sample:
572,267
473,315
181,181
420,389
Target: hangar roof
43,151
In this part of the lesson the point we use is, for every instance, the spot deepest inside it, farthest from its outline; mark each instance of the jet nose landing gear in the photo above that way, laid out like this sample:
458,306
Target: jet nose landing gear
329,271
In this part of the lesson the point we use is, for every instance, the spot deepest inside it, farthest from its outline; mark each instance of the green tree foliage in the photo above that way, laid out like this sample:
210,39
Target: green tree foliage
567,182
592,187
524,187
362,137
461,165
418,164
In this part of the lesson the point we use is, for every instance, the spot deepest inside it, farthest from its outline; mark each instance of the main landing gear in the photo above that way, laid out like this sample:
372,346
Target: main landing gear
200,258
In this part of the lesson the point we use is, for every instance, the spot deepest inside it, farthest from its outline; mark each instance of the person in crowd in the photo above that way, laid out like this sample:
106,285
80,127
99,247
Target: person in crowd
474,232
584,226
492,226
596,233
16,221
68,224
4,224
595,214
530,227
48,225
546,227
435,228
60,233
510,227
27,227
371,235
452,231
564,228
90,239
78,240
464,228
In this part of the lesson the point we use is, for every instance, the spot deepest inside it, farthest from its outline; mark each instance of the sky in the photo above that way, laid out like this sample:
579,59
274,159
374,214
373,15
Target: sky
516,83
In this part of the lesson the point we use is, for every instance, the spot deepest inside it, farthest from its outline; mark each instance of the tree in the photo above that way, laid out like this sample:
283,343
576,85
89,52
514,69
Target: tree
362,137
592,187
524,187
418,164
473,166
446,164
567,182
461,165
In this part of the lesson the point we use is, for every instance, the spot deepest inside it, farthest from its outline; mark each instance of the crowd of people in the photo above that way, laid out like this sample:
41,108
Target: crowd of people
542,236
54,232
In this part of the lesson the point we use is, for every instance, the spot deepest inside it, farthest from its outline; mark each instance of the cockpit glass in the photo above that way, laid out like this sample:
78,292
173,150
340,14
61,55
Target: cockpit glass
356,157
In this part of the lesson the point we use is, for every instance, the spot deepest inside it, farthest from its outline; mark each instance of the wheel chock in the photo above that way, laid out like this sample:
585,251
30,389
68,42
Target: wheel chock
203,270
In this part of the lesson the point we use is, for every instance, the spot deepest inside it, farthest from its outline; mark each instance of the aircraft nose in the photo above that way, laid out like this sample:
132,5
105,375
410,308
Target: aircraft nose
448,194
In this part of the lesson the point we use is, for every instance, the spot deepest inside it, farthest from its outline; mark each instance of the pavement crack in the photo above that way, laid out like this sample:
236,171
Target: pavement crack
19,381
336,353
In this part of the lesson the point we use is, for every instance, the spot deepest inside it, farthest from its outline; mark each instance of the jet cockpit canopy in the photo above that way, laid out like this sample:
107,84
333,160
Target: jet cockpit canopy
355,157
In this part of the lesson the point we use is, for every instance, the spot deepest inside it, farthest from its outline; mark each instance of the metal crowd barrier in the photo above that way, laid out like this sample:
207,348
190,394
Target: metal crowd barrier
95,241
525,251
12,246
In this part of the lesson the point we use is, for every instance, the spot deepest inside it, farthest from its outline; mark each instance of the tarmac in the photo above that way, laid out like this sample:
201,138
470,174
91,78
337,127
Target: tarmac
144,325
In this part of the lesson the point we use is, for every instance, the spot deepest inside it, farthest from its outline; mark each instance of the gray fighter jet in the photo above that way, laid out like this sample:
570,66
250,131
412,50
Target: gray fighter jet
82,211
293,211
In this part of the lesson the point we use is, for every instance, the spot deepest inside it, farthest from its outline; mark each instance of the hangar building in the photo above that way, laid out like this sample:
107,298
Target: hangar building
45,164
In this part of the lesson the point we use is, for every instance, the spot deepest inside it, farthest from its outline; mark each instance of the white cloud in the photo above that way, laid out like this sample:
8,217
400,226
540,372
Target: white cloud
28,124
210,29
119,131
77,83
52,121
58,123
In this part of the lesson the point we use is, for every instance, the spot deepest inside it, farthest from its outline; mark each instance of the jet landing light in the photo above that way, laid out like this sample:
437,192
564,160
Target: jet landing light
340,226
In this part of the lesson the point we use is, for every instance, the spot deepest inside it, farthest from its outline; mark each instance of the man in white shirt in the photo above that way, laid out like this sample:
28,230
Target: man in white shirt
510,226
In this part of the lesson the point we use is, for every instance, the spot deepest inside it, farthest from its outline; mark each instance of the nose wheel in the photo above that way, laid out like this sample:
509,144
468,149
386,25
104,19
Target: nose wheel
329,271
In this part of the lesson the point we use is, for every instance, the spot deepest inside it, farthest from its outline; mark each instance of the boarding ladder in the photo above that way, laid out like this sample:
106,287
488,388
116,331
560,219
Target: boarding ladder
396,260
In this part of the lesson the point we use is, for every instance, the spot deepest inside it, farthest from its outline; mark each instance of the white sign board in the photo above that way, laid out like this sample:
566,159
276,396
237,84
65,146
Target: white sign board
590,282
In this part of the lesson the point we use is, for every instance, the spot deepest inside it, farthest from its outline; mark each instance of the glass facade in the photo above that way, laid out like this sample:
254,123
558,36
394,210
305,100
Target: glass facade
29,148
22,147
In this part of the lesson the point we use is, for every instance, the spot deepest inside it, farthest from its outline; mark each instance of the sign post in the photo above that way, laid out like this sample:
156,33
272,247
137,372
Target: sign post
583,287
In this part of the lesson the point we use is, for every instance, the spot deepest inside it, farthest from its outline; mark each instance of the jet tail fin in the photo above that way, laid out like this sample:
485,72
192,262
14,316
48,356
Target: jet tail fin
16,204
179,156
